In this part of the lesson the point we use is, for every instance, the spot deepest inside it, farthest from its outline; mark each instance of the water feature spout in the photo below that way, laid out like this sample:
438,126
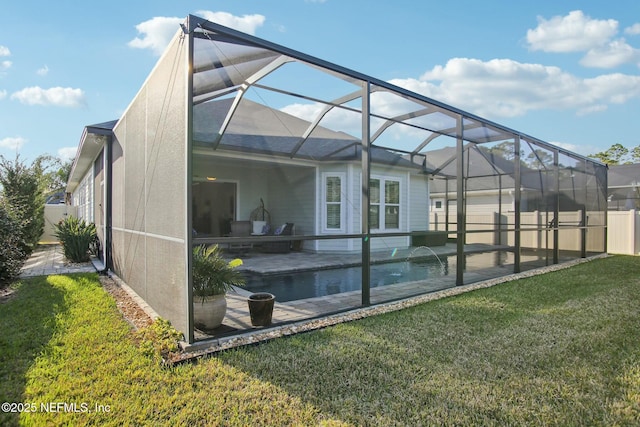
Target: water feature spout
411,255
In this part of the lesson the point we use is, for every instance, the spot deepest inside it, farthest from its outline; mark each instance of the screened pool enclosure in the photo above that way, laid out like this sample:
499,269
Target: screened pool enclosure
337,190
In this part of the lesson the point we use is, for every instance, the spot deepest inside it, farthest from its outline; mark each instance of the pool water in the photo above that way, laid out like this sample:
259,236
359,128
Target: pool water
310,284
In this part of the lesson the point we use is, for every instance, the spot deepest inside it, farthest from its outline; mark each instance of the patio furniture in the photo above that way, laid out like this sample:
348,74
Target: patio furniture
240,229
280,246
429,238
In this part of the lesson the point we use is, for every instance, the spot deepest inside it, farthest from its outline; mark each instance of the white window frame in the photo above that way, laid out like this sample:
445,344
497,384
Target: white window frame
382,205
435,201
342,203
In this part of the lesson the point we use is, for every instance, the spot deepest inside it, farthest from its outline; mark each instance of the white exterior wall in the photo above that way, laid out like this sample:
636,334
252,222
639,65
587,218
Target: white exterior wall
414,206
418,203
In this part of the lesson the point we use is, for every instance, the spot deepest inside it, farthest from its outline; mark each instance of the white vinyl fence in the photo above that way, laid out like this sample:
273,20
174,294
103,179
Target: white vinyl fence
623,231
52,215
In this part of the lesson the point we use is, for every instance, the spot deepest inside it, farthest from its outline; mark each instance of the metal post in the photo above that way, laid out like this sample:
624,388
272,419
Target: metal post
583,216
556,209
606,209
188,182
499,223
516,203
446,205
366,172
461,228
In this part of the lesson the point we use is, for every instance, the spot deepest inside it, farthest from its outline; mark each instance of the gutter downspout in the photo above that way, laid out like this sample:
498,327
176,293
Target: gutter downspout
108,197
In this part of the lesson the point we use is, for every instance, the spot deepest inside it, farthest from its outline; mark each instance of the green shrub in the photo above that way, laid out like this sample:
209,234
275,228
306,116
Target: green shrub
76,237
12,252
23,198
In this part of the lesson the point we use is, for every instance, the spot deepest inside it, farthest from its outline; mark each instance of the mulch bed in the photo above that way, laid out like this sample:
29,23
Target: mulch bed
130,310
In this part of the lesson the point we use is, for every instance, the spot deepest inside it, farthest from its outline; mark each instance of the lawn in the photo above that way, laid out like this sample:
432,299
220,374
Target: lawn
561,348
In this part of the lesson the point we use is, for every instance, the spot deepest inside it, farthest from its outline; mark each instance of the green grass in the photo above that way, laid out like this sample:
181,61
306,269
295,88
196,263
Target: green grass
557,349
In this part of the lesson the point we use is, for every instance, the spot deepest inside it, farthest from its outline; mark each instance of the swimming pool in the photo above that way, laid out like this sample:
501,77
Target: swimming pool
317,283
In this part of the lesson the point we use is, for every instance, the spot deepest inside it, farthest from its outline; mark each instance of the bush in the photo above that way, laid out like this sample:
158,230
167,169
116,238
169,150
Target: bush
76,237
12,249
23,198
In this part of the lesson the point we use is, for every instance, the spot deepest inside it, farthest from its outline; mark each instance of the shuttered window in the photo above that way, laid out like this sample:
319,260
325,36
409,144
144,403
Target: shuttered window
333,202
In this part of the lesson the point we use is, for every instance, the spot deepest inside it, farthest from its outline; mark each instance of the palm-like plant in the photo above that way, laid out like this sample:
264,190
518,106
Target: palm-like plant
212,274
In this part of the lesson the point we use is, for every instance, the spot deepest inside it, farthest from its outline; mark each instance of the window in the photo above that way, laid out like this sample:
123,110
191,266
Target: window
374,204
83,198
438,204
384,201
333,198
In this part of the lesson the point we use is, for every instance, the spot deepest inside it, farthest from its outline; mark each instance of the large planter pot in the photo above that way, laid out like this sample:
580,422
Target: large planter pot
261,308
208,314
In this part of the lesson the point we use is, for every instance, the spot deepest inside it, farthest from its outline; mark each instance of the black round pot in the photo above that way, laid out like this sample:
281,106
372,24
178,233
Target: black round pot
261,308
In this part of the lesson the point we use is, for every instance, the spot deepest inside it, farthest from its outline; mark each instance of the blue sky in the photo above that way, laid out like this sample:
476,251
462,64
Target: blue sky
565,72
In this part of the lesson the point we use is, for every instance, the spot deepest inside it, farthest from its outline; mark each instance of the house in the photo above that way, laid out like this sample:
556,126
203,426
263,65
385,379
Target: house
226,123
325,169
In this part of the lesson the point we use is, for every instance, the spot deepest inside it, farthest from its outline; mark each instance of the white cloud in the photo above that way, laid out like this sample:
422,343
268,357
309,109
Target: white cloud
13,143
612,55
245,23
55,96
493,89
4,51
304,111
156,33
43,71
67,153
506,88
3,94
5,65
572,33
633,30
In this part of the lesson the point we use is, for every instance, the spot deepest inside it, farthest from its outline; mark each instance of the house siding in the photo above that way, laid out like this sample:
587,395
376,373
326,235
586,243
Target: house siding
418,203
292,195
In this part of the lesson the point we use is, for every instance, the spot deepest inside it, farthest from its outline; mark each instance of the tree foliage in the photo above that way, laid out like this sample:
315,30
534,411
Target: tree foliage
12,249
23,190
23,196
618,154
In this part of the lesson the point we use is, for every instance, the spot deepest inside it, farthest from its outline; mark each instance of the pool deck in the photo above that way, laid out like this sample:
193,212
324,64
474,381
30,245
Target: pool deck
292,311
265,263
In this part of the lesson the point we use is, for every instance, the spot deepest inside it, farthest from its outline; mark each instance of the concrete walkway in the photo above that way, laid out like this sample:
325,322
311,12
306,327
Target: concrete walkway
49,259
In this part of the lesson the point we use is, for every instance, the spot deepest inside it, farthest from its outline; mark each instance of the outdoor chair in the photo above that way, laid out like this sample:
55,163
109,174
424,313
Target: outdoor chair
240,229
280,246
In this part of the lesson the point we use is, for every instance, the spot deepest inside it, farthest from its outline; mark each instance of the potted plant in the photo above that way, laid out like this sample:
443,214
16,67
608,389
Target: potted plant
261,308
260,218
213,276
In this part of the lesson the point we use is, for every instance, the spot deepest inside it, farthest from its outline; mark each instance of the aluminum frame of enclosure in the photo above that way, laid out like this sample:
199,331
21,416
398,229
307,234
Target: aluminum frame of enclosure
484,158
